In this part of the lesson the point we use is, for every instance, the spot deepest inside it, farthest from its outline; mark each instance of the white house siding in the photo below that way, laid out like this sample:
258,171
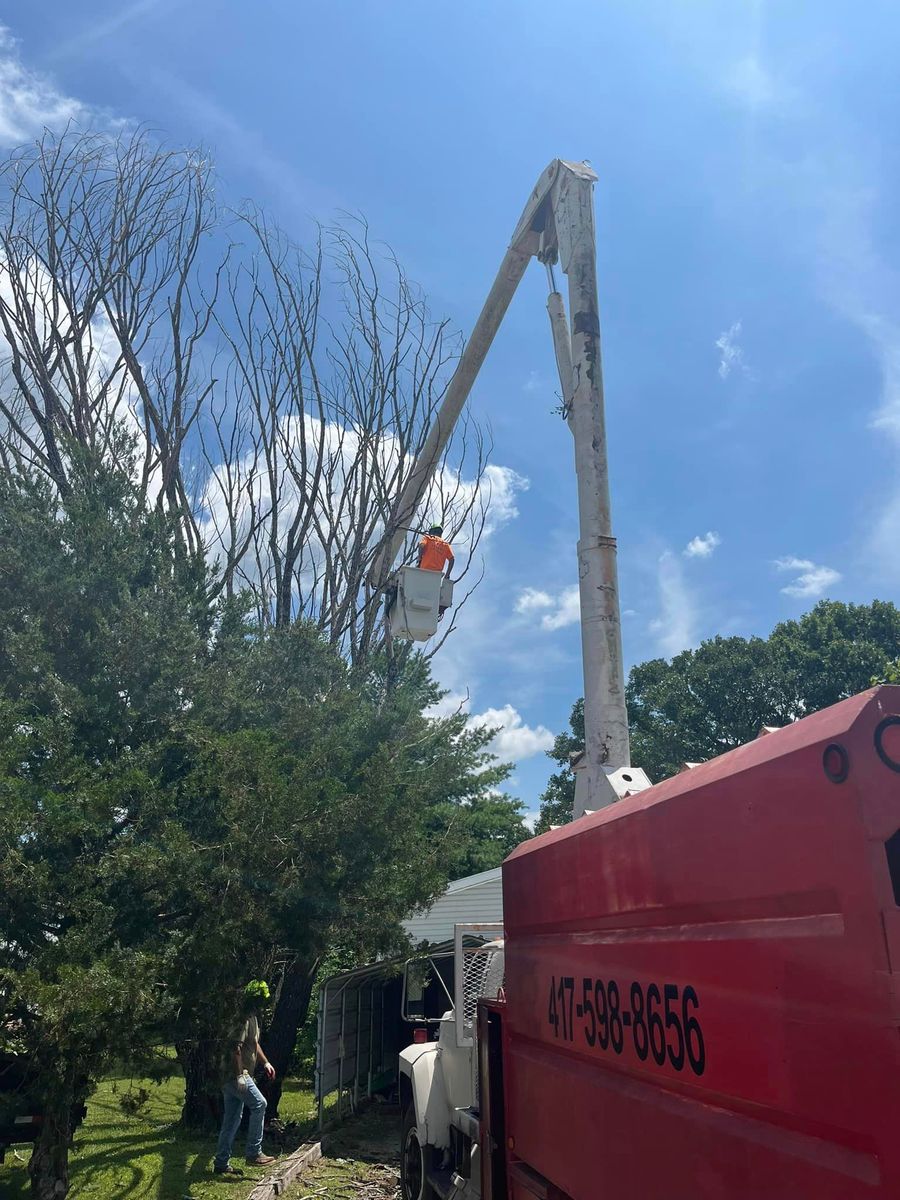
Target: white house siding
478,898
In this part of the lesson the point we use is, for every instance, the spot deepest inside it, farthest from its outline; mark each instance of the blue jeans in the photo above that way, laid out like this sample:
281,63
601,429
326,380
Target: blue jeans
235,1099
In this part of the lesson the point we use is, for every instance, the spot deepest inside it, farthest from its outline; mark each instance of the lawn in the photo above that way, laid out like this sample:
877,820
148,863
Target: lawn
144,1157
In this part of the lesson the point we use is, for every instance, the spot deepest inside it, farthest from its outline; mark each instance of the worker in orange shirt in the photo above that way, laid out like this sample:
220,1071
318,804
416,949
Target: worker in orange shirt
433,553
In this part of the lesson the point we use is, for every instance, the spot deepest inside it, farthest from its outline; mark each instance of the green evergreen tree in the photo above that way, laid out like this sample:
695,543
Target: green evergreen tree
100,627
185,795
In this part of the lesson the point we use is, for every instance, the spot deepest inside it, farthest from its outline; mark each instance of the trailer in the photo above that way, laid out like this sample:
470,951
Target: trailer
20,1116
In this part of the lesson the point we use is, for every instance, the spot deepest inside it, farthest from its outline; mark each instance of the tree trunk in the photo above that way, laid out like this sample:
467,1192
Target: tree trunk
48,1167
281,1036
199,1061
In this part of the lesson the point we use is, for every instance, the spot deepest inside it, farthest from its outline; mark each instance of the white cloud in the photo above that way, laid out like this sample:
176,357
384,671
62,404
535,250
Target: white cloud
753,85
532,600
534,383
567,611
31,295
557,611
675,627
812,579
29,101
731,356
450,703
515,740
702,546
501,487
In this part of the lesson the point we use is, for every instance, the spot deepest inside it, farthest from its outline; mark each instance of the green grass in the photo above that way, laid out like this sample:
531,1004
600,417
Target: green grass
144,1157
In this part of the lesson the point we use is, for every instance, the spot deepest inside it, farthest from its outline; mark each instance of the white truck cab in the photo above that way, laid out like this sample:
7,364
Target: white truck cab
439,1080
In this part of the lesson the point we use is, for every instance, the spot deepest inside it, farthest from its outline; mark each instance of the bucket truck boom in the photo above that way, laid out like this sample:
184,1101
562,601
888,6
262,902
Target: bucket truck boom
557,225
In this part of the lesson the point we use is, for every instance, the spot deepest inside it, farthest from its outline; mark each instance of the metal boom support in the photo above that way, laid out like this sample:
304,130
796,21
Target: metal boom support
556,224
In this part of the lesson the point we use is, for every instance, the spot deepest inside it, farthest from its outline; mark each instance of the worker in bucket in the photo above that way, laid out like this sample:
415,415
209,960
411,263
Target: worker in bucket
434,552
242,1053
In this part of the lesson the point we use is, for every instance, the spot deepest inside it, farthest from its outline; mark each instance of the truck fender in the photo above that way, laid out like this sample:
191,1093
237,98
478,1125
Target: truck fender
420,1065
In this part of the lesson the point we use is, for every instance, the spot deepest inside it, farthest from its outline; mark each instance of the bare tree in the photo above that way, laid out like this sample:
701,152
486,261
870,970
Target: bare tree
275,400
338,374
102,313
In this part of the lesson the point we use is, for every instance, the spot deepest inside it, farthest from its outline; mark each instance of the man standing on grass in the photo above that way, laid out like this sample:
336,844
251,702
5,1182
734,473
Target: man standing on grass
238,1089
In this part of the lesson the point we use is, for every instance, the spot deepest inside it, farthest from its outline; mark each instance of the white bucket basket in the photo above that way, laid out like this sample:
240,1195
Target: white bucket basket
416,605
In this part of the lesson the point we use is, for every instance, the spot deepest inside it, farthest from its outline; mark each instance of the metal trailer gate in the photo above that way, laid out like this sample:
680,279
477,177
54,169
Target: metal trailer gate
358,1034
361,1027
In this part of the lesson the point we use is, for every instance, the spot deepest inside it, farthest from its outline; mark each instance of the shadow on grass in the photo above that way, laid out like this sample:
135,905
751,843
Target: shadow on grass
146,1156
168,1166
126,1163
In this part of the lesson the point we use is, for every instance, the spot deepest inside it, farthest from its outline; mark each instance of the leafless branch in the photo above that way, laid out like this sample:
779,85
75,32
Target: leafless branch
340,371
273,400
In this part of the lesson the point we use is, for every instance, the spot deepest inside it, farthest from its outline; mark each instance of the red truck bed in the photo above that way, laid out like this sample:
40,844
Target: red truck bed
703,981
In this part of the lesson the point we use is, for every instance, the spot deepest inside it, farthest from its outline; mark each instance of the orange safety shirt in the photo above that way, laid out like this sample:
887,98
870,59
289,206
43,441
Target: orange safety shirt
435,553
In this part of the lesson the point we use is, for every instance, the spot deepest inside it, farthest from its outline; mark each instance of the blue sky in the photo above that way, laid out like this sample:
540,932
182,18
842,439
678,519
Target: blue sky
748,264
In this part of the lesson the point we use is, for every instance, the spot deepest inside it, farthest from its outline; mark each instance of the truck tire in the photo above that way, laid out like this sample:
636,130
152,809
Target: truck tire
415,1161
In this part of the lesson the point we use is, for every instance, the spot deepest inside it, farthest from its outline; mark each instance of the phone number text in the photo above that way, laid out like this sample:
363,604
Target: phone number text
660,1022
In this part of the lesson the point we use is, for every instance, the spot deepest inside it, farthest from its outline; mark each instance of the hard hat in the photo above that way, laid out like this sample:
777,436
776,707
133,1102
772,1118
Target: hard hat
257,991
437,530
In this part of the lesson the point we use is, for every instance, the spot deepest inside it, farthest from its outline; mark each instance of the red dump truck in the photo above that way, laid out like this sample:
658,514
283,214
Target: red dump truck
702,989
703,981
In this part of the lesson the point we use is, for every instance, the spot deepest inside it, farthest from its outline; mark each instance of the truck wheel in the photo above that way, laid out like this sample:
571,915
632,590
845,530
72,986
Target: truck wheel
415,1159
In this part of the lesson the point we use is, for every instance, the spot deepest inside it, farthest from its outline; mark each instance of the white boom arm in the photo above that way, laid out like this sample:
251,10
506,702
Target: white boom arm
557,224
